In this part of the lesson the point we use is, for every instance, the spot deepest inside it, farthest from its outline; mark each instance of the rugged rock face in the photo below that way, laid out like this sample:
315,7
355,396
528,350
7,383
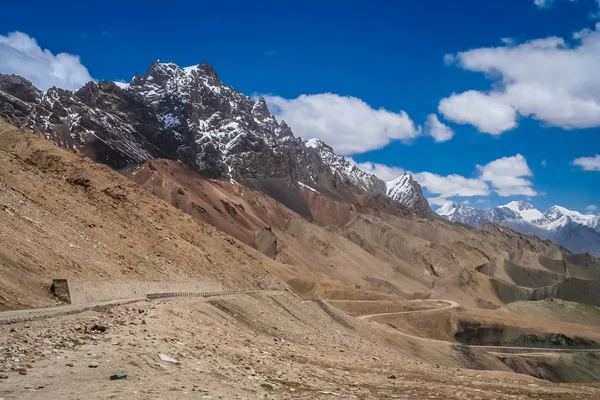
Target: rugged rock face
189,115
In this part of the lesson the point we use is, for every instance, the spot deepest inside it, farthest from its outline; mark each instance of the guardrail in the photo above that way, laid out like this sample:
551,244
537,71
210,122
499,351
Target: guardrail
153,296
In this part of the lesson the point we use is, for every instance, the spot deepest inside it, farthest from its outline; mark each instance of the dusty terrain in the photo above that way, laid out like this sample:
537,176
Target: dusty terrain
259,346
63,216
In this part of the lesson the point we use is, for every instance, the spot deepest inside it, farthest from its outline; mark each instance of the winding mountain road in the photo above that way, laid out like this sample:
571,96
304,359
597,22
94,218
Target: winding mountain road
450,304
495,350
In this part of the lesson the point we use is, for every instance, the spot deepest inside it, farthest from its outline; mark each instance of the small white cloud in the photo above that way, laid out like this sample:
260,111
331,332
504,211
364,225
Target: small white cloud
21,55
506,176
449,59
543,3
381,171
347,124
451,185
488,113
543,163
437,130
548,3
466,202
482,201
591,208
588,163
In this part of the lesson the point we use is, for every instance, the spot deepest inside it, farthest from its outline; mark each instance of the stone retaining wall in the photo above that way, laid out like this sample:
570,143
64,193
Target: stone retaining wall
205,294
80,292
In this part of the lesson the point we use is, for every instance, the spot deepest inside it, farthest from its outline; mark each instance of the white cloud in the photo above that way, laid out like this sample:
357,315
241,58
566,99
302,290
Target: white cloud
21,55
437,130
591,208
381,171
551,80
548,3
543,163
438,201
482,201
588,163
466,202
451,185
543,3
347,124
506,176
489,113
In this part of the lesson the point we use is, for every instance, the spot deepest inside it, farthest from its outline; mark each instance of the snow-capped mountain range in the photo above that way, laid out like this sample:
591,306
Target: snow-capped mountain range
571,229
188,114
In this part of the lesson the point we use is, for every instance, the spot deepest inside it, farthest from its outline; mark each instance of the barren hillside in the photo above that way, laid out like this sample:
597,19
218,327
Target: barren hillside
64,216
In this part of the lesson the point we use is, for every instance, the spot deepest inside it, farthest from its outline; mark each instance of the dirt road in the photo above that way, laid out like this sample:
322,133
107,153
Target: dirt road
451,304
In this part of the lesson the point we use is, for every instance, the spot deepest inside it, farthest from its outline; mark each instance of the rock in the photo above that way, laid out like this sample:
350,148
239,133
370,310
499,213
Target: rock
22,371
93,365
119,375
3,376
98,328
167,358
392,377
69,364
267,386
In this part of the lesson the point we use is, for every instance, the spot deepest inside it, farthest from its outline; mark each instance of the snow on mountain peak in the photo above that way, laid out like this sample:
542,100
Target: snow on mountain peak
524,210
314,143
408,192
556,213
559,224
447,209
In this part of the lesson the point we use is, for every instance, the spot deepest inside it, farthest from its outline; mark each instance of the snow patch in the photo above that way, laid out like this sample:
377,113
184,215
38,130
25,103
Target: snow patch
308,187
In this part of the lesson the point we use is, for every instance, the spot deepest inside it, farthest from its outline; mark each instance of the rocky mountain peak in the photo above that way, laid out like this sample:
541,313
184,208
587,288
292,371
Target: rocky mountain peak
407,191
448,209
518,206
285,130
189,115
260,109
207,70
19,87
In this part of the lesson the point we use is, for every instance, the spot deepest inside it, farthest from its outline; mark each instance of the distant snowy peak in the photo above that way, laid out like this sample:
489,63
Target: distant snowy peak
556,213
407,191
575,231
447,209
474,216
524,210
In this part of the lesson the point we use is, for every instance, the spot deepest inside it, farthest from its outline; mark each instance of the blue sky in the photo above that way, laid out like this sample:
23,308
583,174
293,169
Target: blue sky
384,54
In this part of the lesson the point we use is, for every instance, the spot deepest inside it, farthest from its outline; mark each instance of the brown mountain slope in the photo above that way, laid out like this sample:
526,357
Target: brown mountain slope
64,216
368,244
